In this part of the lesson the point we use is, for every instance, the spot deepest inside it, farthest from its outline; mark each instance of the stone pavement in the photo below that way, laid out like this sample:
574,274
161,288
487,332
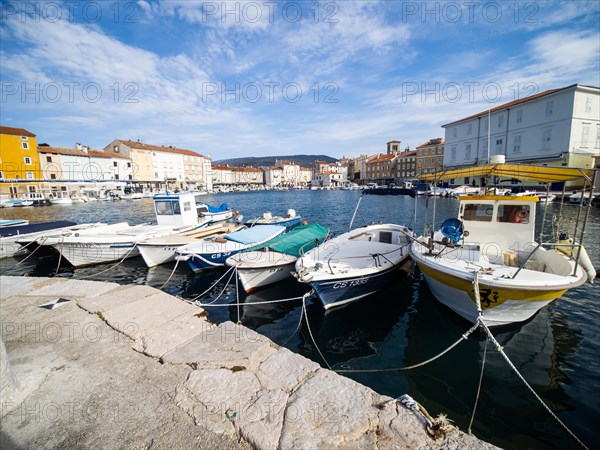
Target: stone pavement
72,378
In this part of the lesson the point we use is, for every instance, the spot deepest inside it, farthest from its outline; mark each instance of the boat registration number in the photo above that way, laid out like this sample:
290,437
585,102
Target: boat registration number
352,283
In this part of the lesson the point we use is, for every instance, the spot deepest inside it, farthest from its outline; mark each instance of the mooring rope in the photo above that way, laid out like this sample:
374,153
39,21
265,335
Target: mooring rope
310,331
225,305
478,387
44,239
170,276
414,366
111,267
501,350
222,290
192,300
62,247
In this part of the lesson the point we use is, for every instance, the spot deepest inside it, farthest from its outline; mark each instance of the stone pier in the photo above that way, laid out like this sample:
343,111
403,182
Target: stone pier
115,366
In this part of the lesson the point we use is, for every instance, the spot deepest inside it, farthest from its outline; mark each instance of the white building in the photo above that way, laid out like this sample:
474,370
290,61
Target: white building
554,127
273,177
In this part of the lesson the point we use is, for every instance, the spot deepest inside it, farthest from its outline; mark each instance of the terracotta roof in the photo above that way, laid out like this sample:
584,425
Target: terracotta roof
408,154
221,168
99,154
511,104
62,151
273,168
383,158
245,169
157,148
429,143
16,131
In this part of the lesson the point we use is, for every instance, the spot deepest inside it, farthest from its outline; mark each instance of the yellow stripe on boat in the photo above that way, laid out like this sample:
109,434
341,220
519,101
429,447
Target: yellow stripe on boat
491,296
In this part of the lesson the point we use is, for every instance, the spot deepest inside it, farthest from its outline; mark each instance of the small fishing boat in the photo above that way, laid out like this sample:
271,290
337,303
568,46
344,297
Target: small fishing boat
576,198
213,251
357,263
10,237
61,198
545,197
275,261
291,219
489,255
161,250
17,203
174,214
213,214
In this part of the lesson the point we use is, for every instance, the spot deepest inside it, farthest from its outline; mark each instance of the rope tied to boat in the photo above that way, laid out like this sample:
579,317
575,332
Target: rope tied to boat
44,239
111,267
170,276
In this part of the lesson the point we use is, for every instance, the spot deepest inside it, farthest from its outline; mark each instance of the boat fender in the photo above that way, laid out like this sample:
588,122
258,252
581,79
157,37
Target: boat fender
584,259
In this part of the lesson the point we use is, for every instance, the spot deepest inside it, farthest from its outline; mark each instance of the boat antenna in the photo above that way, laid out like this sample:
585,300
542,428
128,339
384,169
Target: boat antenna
355,211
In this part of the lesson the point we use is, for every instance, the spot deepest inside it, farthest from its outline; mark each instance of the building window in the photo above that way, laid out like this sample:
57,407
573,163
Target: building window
53,176
115,164
1,175
29,175
546,138
517,144
454,131
453,153
520,116
588,104
469,129
468,151
549,108
585,135
116,149
48,158
485,124
27,160
24,138
128,165
500,121
498,146
25,145
116,177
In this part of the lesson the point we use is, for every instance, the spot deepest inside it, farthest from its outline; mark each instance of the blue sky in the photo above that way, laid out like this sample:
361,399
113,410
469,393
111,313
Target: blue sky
256,78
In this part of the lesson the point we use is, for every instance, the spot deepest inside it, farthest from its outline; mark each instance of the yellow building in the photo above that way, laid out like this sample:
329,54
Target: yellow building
19,162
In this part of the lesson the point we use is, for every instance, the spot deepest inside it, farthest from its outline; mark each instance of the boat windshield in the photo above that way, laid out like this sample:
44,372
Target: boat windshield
513,213
478,212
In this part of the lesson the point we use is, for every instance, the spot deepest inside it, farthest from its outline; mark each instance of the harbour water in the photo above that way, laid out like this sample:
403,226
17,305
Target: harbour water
556,351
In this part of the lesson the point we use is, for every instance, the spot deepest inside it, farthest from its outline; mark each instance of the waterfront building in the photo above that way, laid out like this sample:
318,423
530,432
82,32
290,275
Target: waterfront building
247,177
430,156
19,162
382,168
406,167
153,164
305,176
557,127
273,177
83,164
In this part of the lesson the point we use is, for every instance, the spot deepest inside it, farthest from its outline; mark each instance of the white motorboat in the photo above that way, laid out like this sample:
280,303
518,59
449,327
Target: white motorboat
174,214
545,197
291,219
13,223
19,239
576,198
213,214
161,250
491,245
275,261
61,198
356,264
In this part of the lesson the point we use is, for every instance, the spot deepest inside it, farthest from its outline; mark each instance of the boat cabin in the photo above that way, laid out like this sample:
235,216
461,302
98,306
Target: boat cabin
175,209
498,223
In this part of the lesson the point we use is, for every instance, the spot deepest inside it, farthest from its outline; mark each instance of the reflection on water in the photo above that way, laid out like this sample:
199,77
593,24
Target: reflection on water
556,351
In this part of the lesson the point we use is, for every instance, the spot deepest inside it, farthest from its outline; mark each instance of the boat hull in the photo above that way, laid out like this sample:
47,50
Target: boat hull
155,255
335,293
259,269
500,305
89,254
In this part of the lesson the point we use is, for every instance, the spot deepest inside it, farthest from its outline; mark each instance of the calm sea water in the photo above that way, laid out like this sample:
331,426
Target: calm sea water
556,351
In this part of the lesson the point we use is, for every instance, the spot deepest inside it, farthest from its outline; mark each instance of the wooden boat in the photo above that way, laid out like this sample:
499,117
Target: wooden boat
492,246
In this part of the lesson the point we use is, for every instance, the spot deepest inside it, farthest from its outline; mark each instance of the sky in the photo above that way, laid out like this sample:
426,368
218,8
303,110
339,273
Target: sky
260,78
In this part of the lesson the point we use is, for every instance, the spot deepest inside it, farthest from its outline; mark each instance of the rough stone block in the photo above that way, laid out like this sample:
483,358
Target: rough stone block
134,318
117,297
331,411
260,422
75,289
10,286
166,337
226,346
285,370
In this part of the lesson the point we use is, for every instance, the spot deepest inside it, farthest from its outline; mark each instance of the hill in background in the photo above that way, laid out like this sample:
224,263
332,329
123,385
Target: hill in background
269,161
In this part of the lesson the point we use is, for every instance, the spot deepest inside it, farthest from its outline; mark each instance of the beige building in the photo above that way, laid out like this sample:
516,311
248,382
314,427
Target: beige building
430,156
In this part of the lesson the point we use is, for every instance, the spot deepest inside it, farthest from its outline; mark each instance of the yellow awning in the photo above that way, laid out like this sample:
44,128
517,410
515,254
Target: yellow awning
542,174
